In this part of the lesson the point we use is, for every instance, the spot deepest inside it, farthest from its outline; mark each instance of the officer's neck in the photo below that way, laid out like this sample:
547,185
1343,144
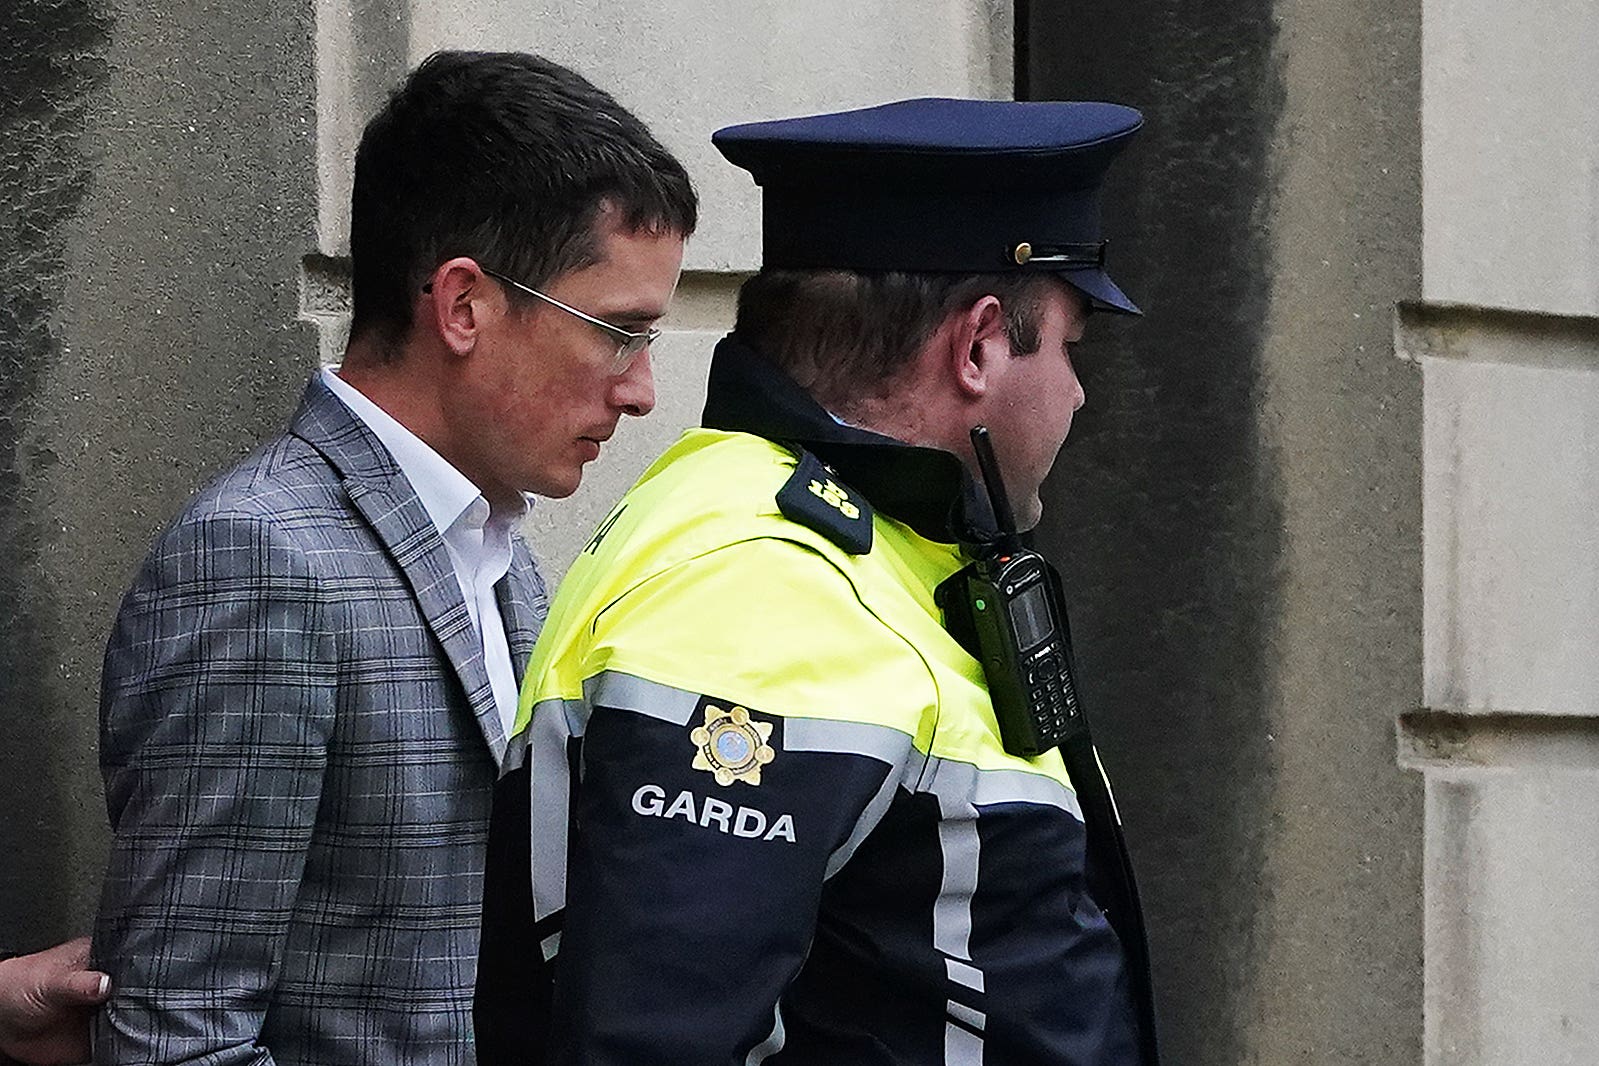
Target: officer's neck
910,413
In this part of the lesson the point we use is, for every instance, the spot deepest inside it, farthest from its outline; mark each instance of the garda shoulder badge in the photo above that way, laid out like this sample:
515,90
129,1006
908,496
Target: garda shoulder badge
814,497
732,745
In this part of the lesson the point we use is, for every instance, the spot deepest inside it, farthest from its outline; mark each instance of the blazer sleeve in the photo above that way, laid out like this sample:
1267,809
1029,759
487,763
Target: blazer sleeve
217,706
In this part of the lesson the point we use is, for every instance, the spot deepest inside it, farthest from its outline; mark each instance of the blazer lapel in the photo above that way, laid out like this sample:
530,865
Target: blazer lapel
383,496
523,604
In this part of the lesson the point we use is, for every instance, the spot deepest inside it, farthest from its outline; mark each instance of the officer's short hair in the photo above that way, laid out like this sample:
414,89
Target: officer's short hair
841,334
504,157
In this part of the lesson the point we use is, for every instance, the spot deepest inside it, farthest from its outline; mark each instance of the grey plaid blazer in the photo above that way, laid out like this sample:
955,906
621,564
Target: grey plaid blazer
299,744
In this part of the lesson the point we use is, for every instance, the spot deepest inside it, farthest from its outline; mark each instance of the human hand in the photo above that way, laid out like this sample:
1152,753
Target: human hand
46,1000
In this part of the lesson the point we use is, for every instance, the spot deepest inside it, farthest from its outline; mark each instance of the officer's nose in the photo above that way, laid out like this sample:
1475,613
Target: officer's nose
633,390
1078,396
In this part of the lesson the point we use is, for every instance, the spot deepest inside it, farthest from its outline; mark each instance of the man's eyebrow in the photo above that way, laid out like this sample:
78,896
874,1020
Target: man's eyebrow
637,316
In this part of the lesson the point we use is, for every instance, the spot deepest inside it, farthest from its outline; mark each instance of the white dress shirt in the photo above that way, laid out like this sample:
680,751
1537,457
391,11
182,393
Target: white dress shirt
477,537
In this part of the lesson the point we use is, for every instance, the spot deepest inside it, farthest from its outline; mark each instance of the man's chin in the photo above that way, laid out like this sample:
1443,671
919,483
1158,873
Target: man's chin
563,490
557,487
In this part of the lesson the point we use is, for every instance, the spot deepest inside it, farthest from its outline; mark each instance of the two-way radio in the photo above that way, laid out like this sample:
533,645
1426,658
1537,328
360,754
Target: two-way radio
1008,611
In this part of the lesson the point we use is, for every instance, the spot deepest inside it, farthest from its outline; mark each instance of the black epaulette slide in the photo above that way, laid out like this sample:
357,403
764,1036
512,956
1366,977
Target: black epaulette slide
814,497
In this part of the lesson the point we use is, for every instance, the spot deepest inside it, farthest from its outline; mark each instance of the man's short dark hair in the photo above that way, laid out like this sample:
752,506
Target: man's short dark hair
842,334
504,157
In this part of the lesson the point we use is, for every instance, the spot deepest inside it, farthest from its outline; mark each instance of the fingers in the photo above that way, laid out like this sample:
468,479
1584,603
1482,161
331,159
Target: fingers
63,979
80,988
78,984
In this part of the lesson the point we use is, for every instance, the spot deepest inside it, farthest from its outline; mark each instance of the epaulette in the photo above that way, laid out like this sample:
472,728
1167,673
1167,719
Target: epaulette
813,497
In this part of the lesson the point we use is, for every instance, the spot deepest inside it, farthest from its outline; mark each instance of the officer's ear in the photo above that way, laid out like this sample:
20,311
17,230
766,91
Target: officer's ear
977,346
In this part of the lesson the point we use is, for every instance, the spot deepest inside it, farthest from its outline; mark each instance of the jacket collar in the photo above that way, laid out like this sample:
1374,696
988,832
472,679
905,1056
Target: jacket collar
324,422
380,492
926,488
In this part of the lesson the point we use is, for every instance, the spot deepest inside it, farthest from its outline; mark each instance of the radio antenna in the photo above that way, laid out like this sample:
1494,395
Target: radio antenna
1004,517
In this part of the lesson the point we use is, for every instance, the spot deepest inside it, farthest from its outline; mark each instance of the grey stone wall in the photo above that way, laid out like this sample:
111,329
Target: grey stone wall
156,196
54,64
1239,512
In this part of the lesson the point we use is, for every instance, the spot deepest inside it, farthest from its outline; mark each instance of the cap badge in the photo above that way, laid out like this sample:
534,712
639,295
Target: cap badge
732,746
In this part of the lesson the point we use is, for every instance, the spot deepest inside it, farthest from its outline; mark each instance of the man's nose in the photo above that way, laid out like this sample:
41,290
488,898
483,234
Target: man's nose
634,389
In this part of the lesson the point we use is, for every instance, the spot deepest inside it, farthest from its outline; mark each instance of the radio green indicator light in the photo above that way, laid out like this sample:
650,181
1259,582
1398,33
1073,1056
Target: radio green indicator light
982,605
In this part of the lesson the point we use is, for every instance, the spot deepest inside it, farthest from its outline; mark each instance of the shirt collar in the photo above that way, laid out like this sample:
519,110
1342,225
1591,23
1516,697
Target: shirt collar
926,488
445,492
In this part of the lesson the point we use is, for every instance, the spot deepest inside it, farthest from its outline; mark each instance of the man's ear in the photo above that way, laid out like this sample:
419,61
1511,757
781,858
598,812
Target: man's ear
977,345
454,302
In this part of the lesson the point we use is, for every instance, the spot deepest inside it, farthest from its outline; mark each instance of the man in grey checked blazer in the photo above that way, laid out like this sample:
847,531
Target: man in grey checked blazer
307,689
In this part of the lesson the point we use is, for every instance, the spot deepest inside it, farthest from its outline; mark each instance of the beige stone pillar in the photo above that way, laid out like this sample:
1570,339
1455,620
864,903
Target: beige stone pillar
1508,341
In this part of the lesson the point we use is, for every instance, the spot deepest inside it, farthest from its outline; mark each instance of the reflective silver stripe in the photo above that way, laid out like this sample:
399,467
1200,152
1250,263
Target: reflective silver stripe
1019,786
773,1043
550,946
962,1047
962,974
549,785
853,738
974,1018
627,692
916,770
951,779
577,717
952,911
956,787
850,738
515,752
870,816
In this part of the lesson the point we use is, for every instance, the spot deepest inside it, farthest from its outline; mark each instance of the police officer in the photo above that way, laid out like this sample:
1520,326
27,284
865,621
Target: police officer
772,815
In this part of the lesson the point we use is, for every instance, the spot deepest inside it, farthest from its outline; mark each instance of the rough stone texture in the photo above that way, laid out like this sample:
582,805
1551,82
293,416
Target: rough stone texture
1511,126
689,66
1239,513
362,50
1509,745
1513,951
155,341
1512,542
52,67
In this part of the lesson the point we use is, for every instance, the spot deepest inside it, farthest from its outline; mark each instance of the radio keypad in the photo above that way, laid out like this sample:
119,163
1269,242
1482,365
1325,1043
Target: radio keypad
1054,705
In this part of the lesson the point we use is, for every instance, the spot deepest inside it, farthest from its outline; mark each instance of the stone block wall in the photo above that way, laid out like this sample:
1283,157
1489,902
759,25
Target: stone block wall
1507,337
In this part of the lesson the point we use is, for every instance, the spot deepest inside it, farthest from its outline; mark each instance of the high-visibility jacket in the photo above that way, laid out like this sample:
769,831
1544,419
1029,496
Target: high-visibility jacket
771,816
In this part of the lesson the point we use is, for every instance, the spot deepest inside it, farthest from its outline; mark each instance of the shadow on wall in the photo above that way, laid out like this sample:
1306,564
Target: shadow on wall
1161,511
52,62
